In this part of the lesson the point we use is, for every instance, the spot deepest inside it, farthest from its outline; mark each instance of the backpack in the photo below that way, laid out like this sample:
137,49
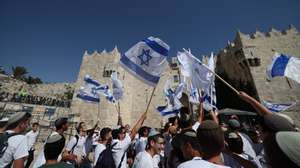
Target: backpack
4,142
105,159
77,138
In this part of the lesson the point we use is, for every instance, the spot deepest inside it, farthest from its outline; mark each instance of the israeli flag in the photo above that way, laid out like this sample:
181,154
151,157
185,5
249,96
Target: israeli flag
283,65
173,103
92,89
277,107
208,104
194,69
147,60
117,86
194,97
88,92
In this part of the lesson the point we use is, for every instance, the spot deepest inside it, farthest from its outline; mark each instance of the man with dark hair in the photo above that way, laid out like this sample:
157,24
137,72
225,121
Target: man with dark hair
76,146
16,151
3,122
105,139
191,148
123,141
211,139
155,144
31,140
52,150
61,125
141,142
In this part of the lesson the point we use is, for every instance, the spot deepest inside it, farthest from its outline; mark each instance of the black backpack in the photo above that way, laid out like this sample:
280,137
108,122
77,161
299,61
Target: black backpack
105,159
4,141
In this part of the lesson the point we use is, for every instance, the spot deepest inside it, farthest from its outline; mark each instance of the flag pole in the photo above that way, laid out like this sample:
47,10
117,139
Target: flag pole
98,111
150,99
231,87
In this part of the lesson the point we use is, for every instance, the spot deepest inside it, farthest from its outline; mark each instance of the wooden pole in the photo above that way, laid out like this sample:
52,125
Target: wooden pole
231,87
150,99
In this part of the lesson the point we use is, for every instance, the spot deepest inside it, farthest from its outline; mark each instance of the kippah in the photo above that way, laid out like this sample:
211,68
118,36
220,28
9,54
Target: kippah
54,138
17,117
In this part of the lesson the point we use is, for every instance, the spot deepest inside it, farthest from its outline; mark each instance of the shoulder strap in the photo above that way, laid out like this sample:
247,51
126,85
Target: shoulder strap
123,156
77,138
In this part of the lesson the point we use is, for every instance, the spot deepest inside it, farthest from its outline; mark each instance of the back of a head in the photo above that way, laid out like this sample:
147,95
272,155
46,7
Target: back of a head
211,138
185,119
53,147
16,119
60,122
142,131
190,136
274,123
283,149
234,141
104,132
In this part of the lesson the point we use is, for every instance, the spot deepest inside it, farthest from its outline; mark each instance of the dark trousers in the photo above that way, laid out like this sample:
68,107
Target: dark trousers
30,158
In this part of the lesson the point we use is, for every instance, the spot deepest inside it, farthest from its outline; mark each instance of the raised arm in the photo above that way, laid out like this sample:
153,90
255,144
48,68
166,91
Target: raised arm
138,125
262,110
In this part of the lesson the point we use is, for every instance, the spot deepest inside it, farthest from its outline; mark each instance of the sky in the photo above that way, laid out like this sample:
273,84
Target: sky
49,37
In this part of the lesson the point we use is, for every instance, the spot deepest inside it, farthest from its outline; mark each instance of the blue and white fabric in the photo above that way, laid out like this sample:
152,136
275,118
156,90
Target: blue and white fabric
117,86
173,103
284,65
277,107
147,60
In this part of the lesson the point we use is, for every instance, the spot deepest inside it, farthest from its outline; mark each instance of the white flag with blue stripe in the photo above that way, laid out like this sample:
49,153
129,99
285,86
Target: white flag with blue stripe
92,89
283,65
173,103
277,107
194,96
117,86
147,60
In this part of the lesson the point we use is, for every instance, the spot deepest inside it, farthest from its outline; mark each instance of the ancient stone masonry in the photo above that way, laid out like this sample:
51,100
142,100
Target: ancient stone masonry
243,63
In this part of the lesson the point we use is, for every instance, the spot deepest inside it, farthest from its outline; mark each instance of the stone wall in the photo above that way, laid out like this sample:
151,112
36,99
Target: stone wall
244,61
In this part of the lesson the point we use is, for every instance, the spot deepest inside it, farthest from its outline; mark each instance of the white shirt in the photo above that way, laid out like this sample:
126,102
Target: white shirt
16,149
98,150
143,160
119,149
140,144
199,162
195,126
79,149
40,160
31,139
248,149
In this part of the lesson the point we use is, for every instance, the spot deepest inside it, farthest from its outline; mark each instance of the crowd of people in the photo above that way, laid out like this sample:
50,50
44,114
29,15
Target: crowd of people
23,97
274,142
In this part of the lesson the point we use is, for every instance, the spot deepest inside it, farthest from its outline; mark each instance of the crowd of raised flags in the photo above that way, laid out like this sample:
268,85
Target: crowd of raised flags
147,60
182,143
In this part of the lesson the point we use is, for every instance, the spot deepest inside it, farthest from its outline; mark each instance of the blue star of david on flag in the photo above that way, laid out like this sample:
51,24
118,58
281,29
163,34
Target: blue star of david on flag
146,60
145,57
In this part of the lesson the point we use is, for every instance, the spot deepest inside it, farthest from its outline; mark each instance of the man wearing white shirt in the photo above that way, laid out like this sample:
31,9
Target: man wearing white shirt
141,142
76,145
145,159
31,140
106,137
17,150
122,141
190,148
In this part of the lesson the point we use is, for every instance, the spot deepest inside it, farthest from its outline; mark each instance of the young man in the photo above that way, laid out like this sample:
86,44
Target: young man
211,139
17,150
31,140
123,140
105,139
190,148
52,150
61,125
145,159
140,144
76,146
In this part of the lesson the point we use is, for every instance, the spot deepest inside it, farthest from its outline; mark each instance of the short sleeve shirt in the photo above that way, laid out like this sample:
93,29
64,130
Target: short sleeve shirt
198,162
17,148
119,149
